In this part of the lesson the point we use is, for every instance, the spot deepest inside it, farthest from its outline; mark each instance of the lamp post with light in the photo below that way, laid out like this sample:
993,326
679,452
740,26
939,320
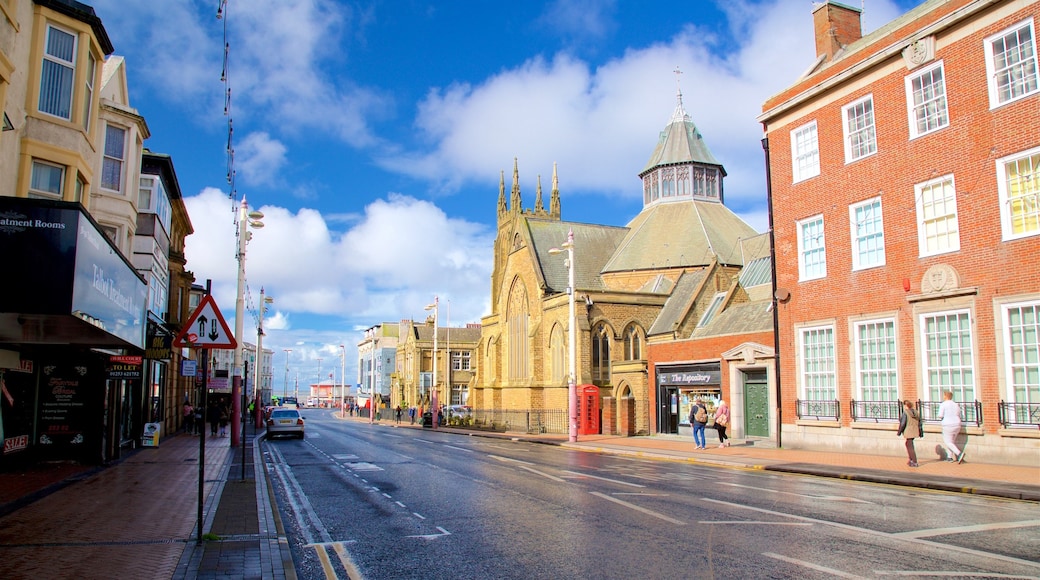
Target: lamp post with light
572,390
343,377
435,412
319,378
264,301
246,219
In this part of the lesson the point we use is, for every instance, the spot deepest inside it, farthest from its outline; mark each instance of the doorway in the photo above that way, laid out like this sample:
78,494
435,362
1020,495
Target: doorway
756,403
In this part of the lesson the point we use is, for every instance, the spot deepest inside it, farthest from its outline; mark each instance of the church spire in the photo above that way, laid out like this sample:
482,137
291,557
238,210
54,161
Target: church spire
502,194
538,197
554,195
680,115
515,204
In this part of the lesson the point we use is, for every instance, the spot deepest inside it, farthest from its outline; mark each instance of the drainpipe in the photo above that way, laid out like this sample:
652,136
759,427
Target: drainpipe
776,319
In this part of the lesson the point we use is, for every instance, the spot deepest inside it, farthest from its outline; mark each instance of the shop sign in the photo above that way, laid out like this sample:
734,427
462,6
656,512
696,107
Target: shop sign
189,367
690,378
160,343
127,368
150,438
63,405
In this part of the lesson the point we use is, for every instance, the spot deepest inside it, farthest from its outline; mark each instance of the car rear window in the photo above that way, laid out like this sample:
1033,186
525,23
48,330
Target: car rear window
285,414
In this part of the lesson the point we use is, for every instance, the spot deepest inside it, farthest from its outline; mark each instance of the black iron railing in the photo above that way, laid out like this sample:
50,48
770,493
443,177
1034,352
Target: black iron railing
526,421
818,410
876,411
971,411
1020,415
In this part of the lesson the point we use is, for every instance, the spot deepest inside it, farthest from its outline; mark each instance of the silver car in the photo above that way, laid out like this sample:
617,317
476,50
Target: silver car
287,422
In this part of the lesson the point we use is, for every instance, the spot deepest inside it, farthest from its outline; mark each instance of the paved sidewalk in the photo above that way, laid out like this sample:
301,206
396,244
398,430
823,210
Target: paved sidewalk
137,518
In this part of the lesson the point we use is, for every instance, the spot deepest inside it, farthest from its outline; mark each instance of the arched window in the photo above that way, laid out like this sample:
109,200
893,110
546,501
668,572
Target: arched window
633,342
516,326
557,356
489,362
601,337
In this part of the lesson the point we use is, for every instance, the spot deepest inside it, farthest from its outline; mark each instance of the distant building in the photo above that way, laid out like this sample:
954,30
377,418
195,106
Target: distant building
905,185
412,382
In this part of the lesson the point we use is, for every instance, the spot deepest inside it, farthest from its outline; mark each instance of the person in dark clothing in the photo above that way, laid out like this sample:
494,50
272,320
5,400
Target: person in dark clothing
213,416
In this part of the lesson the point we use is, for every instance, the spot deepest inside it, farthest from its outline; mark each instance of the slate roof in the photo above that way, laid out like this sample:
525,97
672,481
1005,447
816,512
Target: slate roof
741,318
593,246
680,142
674,309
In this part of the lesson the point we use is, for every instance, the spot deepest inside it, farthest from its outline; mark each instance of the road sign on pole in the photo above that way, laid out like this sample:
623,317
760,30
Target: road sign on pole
206,328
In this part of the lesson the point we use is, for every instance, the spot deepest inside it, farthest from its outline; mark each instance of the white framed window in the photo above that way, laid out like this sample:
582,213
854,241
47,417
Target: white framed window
1011,64
460,360
89,88
1022,354
805,152
1018,184
57,73
812,253
47,180
818,378
146,188
112,164
858,125
937,228
926,100
949,361
876,360
868,234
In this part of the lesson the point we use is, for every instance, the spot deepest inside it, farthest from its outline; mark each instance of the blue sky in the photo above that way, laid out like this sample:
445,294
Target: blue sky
372,135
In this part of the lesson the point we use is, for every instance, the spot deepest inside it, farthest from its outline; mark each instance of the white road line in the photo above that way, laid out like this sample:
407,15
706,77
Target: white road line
638,508
617,481
857,529
459,448
543,474
500,458
825,570
805,495
968,529
418,516
756,523
348,563
937,574
401,504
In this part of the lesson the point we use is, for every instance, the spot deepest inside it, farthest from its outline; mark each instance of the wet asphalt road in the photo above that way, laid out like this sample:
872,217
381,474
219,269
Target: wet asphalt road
372,501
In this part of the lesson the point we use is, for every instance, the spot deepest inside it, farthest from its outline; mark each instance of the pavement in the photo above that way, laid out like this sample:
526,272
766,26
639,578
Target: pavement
138,517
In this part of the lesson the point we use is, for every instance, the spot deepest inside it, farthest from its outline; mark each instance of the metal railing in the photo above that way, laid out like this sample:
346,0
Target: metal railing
1019,415
876,411
971,411
818,410
526,421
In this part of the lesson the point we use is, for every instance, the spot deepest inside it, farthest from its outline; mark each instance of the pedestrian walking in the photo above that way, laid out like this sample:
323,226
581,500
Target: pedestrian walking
397,413
411,415
198,426
950,418
698,421
188,413
910,426
223,420
213,416
721,422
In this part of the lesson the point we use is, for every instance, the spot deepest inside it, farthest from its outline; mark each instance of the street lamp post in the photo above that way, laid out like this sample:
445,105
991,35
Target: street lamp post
435,412
342,377
572,389
285,385
250,219
319,377
257,372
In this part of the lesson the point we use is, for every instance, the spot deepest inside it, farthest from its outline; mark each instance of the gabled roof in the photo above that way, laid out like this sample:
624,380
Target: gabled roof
680,142
675,308
683,233
743,318
593,246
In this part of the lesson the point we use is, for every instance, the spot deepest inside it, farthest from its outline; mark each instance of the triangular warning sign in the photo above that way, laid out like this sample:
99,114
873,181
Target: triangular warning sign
206,328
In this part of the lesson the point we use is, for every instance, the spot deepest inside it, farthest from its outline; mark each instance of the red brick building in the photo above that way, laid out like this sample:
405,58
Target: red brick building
905,204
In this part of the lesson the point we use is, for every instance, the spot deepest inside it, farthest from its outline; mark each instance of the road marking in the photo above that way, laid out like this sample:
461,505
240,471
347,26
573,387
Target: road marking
638,508
459,448
757,523
401,504
432,536
804,564
641,494
857,529
617,481
967,529
500,458
543,474
348,563
345,457
805,495
937,574
363,466
418,516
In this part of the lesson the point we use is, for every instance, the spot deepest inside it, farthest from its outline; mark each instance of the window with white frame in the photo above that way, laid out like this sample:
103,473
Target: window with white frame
460,360
818,371
949,362
805,152
926,100
88,95
1022,355
112,165
47,180
876,360
937,231
1018,184
868,234
860,137
1011,64
57,73
812,255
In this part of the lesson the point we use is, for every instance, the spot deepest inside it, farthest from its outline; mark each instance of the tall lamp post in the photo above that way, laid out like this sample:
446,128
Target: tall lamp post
250,219
572,389
342,377
319,376
285,385
258,371
433,390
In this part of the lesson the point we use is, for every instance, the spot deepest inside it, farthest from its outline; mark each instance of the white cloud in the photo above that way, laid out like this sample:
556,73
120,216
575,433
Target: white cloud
259,159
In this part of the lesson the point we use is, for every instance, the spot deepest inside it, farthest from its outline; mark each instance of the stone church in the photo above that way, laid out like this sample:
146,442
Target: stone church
653,279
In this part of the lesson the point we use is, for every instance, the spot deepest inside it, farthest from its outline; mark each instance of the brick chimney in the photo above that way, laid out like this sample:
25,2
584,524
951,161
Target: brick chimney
836,26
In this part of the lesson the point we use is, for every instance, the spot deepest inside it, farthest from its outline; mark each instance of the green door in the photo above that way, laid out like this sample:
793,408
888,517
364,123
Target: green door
756,404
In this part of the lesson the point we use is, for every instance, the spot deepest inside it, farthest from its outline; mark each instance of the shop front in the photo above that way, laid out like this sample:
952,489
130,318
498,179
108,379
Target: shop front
677,388
72,320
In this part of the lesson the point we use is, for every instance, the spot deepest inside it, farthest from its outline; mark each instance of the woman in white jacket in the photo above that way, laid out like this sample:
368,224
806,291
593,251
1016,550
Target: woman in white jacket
950,417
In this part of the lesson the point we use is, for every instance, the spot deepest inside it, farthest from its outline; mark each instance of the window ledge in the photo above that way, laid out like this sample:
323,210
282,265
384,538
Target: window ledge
879,426
1021,432
817,423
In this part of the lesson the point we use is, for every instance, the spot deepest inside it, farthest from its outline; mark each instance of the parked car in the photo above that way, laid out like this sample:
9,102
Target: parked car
288,422
289,403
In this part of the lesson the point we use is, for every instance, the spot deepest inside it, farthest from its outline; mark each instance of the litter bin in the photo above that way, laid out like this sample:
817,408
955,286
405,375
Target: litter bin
427,419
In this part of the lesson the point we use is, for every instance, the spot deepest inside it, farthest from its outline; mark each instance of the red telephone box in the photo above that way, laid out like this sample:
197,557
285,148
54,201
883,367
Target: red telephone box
588,410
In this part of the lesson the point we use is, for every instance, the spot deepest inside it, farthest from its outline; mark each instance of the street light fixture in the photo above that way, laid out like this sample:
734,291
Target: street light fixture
435,411
264,301
572,390
246,219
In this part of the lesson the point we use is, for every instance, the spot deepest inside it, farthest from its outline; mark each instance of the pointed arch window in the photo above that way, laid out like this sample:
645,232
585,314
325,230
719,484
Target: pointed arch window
517,328
601,337
633,342
558,356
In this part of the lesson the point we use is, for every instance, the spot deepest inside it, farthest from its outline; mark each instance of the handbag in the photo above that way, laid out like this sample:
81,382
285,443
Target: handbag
722,420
